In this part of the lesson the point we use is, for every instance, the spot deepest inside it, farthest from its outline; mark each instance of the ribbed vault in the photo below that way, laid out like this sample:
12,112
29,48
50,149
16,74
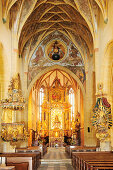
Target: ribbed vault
47,79
33,20
55,15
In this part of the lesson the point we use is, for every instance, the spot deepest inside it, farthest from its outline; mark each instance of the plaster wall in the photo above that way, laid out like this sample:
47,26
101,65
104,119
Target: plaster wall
89,136
104,57
5,55
103,37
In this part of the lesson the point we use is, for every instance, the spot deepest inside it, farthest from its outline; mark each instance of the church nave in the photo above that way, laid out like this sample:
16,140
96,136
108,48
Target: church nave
56,159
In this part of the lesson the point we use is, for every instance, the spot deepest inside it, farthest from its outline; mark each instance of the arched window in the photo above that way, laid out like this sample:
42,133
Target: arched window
41,97
72,102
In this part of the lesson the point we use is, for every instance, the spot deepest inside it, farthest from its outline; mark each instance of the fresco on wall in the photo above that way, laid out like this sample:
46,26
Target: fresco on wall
37,57
71,60
55,48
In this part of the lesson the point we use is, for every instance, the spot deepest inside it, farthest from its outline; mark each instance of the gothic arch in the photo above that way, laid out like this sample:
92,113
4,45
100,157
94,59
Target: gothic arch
52,68
82,98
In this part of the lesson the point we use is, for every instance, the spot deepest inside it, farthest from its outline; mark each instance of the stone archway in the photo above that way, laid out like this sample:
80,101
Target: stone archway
52,68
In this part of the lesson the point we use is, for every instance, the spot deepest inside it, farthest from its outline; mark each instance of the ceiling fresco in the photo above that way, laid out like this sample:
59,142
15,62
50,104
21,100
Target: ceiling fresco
33,20
68,23
56,50
72,59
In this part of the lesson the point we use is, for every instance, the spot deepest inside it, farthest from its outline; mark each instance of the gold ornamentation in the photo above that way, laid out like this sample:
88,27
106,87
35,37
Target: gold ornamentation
56,123
15,100
102,119
100,86
13,132
56,47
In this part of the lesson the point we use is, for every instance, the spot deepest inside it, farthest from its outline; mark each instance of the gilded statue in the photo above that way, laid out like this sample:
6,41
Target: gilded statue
102,119
16,82
57,123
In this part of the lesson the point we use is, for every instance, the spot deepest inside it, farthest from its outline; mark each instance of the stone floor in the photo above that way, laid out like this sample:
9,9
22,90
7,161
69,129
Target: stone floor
56,159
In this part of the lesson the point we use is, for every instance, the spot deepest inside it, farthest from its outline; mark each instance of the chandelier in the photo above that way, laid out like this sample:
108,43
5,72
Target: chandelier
15,100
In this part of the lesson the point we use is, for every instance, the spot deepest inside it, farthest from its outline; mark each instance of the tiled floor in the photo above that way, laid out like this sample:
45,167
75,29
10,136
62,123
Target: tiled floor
56,159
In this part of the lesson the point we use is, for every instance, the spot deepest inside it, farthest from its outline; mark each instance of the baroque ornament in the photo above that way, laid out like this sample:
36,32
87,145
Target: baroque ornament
13,132
15,100
102,119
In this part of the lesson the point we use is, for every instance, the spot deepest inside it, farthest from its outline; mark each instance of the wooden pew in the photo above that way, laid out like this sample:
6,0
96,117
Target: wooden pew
67,148
100,165
19,166
35,149
32,158
70,149
82,149
7,168
85,160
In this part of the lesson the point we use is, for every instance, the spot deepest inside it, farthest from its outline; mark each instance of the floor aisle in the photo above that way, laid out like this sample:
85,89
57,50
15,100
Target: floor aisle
56,159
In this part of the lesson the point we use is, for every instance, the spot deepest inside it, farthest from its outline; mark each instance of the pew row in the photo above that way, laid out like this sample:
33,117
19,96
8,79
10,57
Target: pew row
92,160
19,166
42,149
33,159
70,149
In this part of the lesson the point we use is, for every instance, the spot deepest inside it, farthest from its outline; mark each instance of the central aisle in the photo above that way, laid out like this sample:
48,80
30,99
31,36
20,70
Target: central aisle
56,159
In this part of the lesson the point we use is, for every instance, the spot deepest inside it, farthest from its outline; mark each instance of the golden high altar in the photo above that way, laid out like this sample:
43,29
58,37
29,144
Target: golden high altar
55,119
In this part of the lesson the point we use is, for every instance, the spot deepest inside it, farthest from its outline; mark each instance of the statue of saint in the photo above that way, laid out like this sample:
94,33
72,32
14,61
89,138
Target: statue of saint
57,123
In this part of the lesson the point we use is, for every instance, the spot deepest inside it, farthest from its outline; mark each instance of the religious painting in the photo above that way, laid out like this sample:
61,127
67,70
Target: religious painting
37,56
56,96
36,63
56,51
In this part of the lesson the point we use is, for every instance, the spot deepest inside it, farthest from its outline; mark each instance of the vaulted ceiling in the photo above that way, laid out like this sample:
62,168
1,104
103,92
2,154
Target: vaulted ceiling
33,20
47,79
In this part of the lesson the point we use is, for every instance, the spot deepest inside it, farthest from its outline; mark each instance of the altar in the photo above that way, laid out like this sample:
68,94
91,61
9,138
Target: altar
56,134
56,120
56,141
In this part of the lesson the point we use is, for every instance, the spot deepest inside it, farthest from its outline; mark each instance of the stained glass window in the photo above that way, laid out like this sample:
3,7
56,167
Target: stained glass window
41,97
72,102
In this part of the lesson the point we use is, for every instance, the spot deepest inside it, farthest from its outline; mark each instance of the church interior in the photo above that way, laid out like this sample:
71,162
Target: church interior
56,93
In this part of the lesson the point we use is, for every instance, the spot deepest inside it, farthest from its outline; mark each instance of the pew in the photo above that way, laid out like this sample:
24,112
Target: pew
19,166
100,165
32,158
82,149
7,168
92,160
42,149
70,149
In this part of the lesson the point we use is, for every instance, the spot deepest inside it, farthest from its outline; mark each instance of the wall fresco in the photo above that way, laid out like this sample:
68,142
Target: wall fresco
72,60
